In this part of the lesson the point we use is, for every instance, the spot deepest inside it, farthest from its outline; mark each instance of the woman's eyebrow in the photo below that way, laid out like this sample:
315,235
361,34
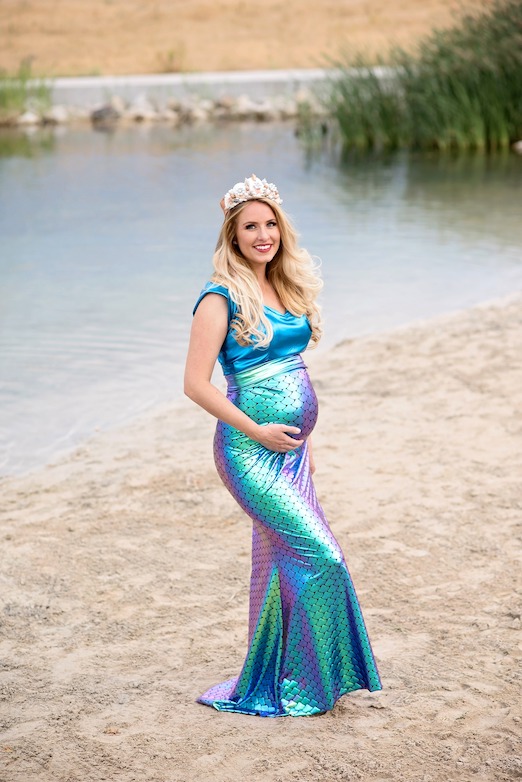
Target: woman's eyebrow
255,222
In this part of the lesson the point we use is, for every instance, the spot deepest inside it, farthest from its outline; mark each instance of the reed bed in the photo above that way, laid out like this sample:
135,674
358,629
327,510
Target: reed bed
461,89
20,91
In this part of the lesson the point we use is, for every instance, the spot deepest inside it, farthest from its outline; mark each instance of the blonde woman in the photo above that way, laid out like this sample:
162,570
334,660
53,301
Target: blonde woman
308,643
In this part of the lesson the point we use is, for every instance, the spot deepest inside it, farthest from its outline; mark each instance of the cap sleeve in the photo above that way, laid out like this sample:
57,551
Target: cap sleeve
212,287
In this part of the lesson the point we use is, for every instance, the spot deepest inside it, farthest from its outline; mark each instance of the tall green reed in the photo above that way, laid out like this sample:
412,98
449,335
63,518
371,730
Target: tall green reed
461,89
20,91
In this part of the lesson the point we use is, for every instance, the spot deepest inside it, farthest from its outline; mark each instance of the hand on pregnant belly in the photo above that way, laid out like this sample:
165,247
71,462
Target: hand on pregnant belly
279,437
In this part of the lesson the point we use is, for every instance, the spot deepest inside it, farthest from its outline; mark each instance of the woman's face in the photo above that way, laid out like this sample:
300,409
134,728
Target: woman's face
257,233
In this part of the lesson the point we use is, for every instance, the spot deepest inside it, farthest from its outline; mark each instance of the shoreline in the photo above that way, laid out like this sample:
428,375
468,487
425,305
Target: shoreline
126,566
180,403
175,99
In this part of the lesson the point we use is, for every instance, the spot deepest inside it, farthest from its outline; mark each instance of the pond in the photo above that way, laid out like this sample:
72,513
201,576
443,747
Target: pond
106,239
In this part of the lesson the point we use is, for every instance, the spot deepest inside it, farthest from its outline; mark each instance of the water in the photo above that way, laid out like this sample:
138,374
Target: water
105,241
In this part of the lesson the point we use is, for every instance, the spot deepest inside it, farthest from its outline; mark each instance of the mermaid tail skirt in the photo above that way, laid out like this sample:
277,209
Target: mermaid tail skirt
307,641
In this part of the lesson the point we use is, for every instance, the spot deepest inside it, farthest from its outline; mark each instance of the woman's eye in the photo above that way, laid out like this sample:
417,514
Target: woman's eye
270,224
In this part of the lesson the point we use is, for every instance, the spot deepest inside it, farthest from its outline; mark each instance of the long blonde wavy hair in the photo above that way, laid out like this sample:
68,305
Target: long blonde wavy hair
292,273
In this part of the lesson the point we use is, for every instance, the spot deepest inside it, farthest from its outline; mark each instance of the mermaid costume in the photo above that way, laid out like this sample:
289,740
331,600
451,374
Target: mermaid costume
307,641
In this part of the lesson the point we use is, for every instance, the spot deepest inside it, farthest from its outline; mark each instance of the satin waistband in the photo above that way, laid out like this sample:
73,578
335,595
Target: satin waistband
255,375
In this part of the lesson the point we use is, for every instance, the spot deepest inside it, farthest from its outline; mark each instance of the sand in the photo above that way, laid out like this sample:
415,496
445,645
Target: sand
125,565
67,37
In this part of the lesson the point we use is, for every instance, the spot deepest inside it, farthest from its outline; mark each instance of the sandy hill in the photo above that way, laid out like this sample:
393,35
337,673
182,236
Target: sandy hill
67,37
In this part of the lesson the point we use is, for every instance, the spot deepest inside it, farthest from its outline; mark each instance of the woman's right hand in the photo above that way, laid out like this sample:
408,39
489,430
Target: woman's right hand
276,437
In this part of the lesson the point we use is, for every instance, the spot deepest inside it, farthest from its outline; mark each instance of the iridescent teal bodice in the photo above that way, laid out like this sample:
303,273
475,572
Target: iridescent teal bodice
291,335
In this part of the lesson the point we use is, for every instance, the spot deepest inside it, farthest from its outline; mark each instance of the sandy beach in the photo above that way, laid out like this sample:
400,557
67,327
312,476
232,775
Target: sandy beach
125,573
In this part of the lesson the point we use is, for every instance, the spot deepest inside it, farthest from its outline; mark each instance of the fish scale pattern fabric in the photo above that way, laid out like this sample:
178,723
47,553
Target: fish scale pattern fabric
307,640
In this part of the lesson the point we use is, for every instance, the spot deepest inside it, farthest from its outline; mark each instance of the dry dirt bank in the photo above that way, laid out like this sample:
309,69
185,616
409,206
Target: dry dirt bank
66,37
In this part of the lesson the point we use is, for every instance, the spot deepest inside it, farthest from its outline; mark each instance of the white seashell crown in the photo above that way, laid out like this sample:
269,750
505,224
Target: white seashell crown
251,188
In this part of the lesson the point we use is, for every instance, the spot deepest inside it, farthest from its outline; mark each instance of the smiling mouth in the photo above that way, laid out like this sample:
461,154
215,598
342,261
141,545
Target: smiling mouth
263,248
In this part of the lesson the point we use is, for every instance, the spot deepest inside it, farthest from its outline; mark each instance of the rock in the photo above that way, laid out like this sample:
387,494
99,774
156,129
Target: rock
245,108
79,113
28,118
105,115
220,113
517,147
190,111
118,104
56,115
171,116
307,101
286,107
194,110
206,105
264,111
226,102
198,114
142,110
242,108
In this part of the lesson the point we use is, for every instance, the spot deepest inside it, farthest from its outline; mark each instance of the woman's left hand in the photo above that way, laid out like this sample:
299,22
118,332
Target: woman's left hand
278,437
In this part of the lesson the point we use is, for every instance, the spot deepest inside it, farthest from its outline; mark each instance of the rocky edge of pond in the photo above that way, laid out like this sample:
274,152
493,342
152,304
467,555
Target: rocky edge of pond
174,111
304,105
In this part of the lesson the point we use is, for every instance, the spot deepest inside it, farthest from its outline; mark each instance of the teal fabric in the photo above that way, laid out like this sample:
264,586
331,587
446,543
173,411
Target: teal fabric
291,335
307,640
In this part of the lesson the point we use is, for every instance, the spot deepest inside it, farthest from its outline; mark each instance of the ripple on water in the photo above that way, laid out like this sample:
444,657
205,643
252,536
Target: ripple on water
104,248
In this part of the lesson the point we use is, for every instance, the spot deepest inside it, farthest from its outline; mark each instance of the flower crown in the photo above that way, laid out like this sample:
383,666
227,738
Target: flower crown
251,188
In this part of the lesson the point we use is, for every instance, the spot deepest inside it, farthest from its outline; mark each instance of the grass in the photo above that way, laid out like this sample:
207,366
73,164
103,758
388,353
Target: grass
20,92
173,60
461,89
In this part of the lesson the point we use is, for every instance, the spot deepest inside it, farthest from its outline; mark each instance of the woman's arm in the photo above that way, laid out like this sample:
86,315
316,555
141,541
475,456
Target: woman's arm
209,329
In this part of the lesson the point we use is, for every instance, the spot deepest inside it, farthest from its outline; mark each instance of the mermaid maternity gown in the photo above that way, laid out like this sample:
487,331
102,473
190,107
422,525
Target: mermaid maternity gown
307,641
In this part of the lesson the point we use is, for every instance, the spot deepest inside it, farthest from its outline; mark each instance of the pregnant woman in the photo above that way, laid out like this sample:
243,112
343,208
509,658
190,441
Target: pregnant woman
307,641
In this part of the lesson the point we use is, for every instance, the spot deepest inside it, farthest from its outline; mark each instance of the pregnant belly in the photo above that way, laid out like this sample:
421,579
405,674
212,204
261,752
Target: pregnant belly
287,398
